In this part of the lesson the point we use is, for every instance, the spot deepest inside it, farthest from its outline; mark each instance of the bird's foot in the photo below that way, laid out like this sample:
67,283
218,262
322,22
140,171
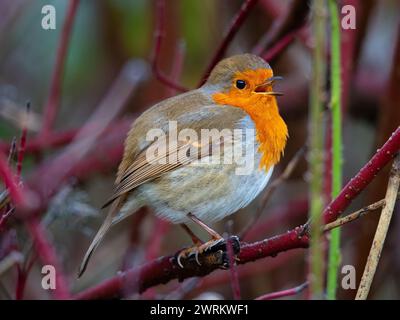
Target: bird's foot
208,250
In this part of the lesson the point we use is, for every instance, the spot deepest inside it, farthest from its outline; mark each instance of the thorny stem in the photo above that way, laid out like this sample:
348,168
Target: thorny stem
336,107
316,148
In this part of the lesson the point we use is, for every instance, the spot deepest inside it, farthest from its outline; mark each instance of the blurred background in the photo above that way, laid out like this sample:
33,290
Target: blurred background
108,79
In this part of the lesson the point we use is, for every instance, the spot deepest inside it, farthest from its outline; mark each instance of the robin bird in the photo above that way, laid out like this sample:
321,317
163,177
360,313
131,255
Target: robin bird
237,95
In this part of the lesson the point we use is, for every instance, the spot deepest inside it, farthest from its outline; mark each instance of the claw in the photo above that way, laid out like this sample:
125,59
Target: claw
178,259
218,245
197,258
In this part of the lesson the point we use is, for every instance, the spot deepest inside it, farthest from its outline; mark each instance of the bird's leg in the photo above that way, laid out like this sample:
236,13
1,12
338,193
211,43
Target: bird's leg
217,242
214,234
196,240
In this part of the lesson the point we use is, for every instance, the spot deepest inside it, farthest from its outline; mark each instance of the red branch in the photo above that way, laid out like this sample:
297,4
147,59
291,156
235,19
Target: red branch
49,177
363,178
177,65
11,183
62,138
48,255
22,144
233,271
46,179
272,53
53,101
292,21
284,293
160,228
164,269
234,27
159,35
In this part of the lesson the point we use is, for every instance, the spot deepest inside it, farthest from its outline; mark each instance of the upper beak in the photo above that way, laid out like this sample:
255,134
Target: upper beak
263,87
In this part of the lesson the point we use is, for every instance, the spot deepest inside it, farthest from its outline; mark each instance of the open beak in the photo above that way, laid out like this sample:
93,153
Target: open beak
263,87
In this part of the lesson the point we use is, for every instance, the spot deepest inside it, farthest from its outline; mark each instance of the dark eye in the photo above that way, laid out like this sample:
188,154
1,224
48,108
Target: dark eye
240,84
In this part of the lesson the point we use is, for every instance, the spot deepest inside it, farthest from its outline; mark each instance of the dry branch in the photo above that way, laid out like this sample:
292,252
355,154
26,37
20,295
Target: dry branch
381,231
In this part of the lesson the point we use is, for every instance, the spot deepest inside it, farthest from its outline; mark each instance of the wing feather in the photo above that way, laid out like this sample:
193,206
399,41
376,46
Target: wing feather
142,170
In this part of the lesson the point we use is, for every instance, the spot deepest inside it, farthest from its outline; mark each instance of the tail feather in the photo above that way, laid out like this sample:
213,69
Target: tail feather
108,222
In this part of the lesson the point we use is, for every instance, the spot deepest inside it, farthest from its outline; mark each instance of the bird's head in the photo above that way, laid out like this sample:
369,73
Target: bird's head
243,81
246,81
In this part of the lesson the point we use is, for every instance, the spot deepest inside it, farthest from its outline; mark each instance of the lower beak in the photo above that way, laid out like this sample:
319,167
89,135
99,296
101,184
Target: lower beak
263,88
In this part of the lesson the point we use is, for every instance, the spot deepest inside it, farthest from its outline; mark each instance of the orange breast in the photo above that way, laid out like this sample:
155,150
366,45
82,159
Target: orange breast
271,129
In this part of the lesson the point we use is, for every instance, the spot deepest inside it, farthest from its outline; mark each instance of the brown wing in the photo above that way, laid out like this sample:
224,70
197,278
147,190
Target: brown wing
143,170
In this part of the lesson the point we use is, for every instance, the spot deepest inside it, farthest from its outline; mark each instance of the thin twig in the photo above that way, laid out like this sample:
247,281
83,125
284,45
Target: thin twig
272,53
381,231
354,216
284,293
50,110
14,190
53,172
176,70
22,143
63,137
159,35
292,21
234,27
11,152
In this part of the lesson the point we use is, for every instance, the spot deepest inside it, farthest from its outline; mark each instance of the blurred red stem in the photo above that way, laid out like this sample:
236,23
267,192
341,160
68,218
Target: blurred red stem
291,21
21,282
62,138
159,35
48,255
50,110
272,53
284,293
22,144
160,228
177,66
233,271
11,183
234,27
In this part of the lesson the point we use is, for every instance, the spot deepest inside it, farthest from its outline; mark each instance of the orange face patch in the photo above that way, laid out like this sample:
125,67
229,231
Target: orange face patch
263,109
